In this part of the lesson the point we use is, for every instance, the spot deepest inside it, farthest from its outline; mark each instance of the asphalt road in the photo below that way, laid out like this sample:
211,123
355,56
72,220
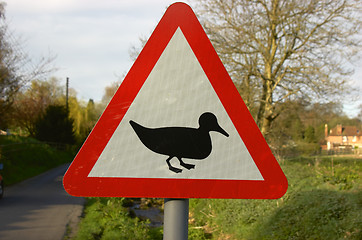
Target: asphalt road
39,208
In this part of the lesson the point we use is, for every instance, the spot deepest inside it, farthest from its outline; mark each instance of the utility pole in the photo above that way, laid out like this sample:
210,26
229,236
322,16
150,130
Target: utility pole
66,94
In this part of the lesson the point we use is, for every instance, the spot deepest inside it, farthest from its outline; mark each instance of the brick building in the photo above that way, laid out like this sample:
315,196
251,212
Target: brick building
343,137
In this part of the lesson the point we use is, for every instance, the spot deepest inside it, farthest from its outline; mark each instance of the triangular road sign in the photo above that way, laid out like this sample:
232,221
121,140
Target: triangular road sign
176,127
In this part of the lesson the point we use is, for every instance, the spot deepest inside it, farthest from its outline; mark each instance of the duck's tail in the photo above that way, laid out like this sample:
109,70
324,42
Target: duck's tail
139,129
144,134
135,126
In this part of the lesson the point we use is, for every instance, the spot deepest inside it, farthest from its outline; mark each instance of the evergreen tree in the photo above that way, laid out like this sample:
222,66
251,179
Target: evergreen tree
309,135
55,126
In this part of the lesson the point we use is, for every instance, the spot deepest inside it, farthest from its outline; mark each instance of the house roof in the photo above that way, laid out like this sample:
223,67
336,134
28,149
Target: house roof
346,131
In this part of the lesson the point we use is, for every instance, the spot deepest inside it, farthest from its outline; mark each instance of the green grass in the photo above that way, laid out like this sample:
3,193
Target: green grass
323,201
107,218
26,157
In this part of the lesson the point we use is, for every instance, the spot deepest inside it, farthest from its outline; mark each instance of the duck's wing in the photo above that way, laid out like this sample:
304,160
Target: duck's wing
174,141
180,142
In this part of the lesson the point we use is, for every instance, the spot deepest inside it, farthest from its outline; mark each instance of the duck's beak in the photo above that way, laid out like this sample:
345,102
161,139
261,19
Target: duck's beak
222,131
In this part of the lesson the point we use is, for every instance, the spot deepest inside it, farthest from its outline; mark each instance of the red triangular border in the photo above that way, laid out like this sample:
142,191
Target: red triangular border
76,181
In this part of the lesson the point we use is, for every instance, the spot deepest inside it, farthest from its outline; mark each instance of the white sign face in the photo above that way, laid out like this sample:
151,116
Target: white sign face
175,94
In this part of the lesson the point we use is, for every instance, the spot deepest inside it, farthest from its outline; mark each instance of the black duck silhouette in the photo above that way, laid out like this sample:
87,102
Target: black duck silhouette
180,142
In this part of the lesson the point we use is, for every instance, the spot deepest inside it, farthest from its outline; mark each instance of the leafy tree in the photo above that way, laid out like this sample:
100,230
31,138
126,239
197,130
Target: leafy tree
86,119
297,129
30,104
91,110
55,126
309,135
277,50
288,136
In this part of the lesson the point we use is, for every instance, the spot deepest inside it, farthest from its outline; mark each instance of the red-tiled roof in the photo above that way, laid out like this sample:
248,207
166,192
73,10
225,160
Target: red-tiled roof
346,131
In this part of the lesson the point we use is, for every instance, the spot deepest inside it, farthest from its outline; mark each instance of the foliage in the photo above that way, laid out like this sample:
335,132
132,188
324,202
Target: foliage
309,135
301,129
85,117
106,218
26,157
55,126
322,202
277,51
31,103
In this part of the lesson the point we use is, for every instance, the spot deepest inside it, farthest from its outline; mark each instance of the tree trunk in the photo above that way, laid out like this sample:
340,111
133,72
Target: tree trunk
266,123
267,116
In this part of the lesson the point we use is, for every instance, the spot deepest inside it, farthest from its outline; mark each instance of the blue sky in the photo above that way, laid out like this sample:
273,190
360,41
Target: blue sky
91,39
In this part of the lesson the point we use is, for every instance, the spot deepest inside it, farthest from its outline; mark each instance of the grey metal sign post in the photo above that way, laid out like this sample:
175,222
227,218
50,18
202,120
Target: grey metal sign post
176,217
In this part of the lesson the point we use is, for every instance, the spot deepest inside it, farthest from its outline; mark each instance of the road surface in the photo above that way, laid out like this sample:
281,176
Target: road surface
39,208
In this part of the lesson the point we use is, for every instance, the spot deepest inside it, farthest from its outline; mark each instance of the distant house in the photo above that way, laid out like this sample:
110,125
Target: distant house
343,137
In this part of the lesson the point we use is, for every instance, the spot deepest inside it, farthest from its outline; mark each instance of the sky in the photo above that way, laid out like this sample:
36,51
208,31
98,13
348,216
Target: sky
91,39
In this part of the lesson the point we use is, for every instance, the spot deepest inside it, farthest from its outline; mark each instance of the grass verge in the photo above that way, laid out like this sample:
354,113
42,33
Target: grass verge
26,157
108,218
323,201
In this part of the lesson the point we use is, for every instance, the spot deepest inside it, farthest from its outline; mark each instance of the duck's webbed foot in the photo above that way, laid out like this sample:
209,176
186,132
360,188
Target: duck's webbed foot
186,165
176,170
173,169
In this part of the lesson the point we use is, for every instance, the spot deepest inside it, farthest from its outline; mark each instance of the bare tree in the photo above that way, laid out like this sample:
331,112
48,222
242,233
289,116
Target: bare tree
109,91
16,68
279,50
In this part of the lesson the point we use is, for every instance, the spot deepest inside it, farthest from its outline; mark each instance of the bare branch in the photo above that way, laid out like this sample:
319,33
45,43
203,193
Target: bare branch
284,48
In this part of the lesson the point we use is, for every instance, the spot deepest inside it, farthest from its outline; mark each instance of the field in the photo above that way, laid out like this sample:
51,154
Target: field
323,201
